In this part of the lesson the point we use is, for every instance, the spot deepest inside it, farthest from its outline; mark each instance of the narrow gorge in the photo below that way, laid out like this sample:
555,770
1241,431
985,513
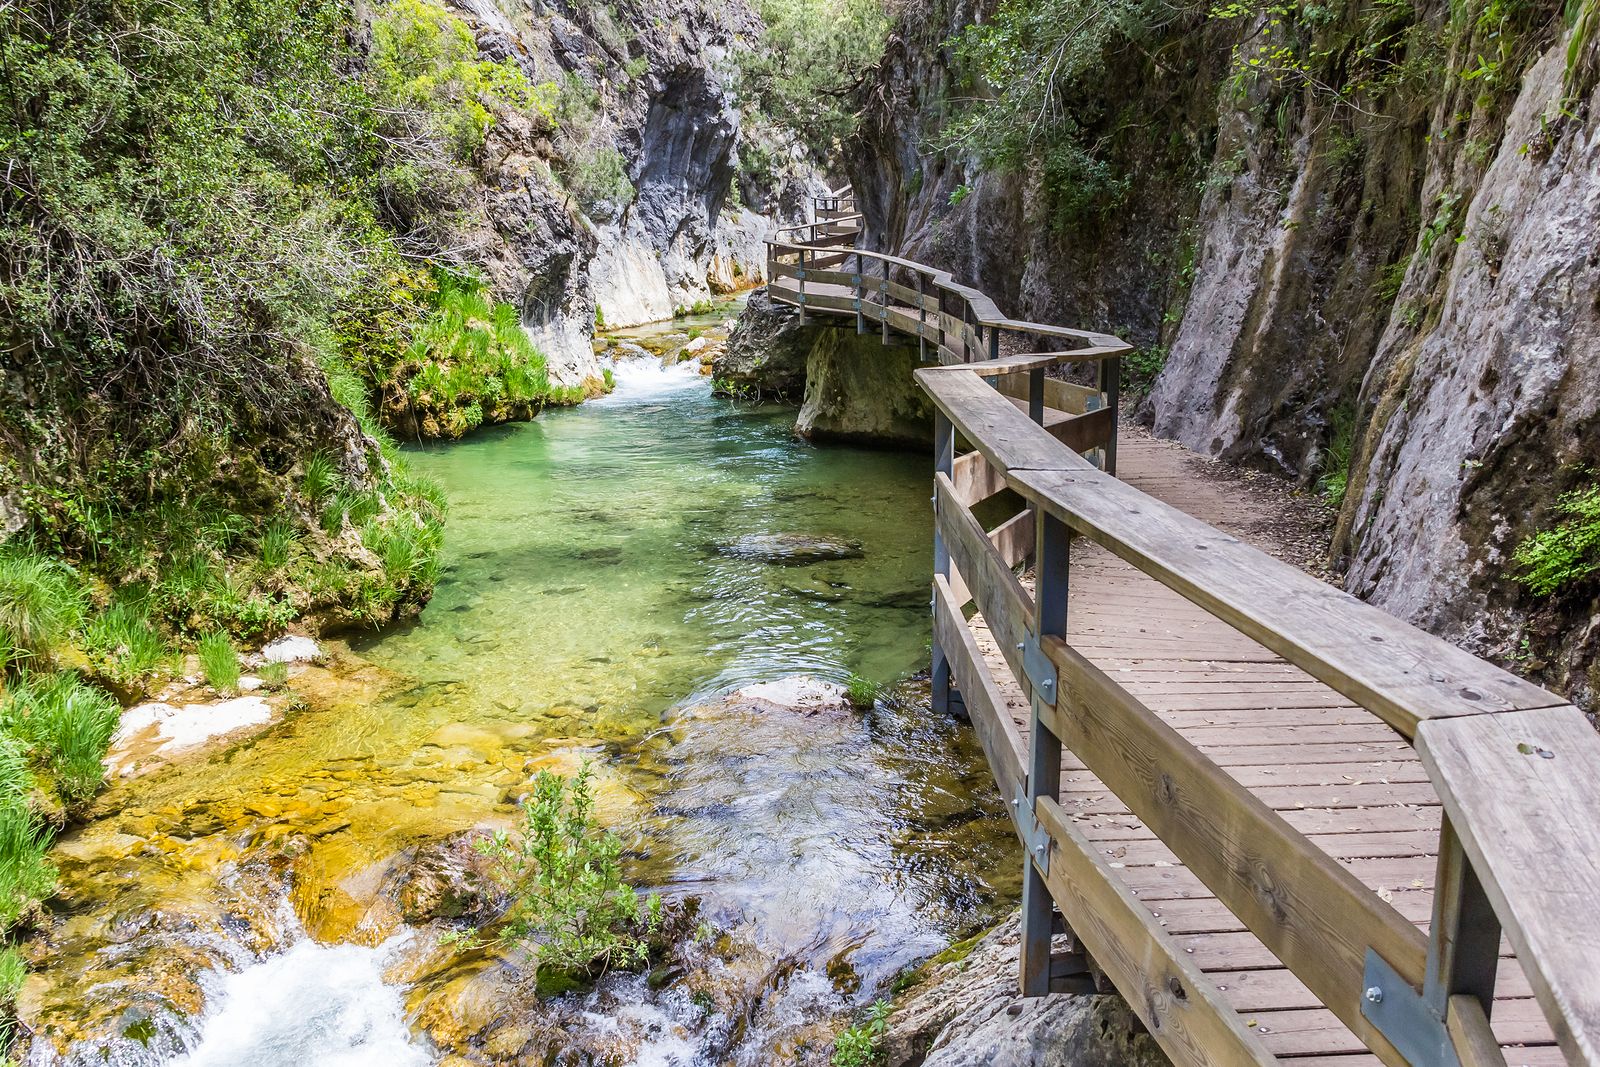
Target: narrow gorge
455,611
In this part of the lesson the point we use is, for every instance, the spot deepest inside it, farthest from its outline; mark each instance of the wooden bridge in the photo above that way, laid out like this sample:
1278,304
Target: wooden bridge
1283,824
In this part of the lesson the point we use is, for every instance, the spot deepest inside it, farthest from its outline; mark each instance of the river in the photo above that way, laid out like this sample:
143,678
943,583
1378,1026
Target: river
222,911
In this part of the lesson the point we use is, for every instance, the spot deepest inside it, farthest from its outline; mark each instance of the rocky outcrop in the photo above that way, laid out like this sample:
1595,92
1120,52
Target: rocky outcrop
766,353
965,1012
860,391
1401,279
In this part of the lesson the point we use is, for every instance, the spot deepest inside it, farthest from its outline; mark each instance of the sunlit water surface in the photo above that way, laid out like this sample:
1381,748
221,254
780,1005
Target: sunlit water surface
584,602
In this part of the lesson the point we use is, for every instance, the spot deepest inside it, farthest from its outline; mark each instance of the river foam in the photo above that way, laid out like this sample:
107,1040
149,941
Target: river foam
313,1004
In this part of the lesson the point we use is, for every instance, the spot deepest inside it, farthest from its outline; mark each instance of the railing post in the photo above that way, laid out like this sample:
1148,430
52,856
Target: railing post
885,311
922,319
861,292
1111,387
1051,554
800,272
1036,395
944,458
994,342
1463,958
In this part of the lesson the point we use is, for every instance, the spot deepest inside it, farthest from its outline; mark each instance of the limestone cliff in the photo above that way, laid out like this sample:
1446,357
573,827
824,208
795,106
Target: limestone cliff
642,87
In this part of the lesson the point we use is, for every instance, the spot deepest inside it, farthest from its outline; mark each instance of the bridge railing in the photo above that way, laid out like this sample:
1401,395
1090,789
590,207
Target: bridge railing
818,268
1516,768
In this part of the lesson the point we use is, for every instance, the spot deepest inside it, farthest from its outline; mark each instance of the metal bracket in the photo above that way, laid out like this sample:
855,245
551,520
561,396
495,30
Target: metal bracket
855,279
1091,403
800,272
1040,671
1404,1017
856,304
1035,838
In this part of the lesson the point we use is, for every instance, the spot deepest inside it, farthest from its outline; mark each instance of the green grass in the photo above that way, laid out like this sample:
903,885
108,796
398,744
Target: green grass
277,541
124,642
861,692
1335,477
319,478
42,601
13,969
66,723
219,662
25,875
274,675
1567,553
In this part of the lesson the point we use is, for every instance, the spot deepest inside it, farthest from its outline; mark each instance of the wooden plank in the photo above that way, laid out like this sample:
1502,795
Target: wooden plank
1523,793
1180,1006
986,705
821,301
975,480
1394,669
1013,539
1083,432
1005,605
844,278
1311,911
994,425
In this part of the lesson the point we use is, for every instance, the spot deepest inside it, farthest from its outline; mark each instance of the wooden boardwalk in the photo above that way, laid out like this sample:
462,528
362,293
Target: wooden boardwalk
1284,825
1337,773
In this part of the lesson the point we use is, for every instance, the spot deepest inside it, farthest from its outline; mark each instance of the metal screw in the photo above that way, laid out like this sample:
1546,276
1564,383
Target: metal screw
1048,684
1019,646
1374,994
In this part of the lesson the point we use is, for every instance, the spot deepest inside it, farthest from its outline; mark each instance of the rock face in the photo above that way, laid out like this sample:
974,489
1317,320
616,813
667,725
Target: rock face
563,255
1408,283
860,391
965,1013
766,354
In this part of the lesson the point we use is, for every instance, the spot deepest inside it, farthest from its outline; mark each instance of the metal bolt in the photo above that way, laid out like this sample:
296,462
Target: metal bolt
1019,646
1048,684
1374,994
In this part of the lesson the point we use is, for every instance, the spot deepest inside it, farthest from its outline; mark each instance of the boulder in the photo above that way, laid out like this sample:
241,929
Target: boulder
447,879
765,357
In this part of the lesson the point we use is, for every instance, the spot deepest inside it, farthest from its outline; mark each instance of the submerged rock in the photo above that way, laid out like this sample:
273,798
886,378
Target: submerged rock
966,1013
790,549
448,879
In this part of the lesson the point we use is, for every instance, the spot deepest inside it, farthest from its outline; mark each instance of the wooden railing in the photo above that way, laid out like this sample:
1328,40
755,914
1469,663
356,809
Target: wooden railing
817,268
1516,768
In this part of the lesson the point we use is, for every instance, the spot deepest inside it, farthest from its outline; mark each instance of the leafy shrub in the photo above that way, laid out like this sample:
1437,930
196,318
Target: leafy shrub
1140,368
569,902
811,53
597,177
424,57
857,1046
219,662
1553,559
67,724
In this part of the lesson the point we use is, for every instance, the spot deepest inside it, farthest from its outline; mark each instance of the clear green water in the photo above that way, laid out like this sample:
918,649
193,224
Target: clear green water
583,607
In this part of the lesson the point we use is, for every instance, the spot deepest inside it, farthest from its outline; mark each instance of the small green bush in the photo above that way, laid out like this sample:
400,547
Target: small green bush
569,902
219,662
13,969
1335,477
68,725
1141,368
597,177
861,692
277,541
857,1046
1553,559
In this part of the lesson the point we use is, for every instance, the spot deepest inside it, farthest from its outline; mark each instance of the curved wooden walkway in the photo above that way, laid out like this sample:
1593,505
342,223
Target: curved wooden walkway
1284,825
1335,772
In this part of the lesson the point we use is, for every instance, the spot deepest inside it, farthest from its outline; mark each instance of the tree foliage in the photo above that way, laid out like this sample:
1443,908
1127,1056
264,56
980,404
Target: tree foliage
803,72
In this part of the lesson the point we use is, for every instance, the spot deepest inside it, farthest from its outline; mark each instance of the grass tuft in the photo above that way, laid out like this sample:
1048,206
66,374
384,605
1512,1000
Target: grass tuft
41,601
861,692
67,723
219,662
124,641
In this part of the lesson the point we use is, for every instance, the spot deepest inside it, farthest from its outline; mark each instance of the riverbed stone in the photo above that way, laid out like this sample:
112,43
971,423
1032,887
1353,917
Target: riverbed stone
965,1012
791,549
448,879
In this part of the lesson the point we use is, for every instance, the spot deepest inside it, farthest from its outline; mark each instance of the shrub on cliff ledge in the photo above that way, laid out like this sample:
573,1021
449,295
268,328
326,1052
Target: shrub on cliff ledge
1567,553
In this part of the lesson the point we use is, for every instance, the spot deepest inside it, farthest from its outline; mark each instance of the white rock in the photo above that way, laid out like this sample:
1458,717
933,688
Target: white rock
291,649
249,683
799,693
696,345
158,729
